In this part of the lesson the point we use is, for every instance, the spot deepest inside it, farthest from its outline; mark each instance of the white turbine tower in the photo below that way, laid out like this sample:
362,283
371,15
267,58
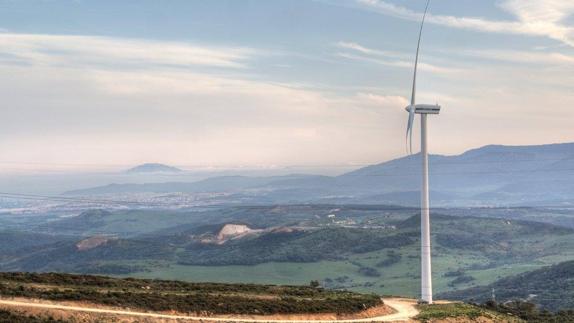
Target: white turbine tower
423,110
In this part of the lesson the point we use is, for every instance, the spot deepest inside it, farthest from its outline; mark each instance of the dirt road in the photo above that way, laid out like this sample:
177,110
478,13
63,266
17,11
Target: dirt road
405,310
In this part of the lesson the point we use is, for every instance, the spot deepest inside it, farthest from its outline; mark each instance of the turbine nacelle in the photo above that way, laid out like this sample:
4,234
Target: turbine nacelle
413,109
424,108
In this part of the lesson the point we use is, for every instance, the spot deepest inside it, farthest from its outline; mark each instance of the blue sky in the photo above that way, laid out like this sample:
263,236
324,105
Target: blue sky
261,83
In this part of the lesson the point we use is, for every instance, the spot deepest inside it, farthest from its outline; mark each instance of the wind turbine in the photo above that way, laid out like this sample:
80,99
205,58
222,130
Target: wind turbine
423,110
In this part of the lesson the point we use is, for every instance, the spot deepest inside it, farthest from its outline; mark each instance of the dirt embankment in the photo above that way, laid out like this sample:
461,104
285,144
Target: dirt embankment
84,312
480,319
376,311
93,242
397,310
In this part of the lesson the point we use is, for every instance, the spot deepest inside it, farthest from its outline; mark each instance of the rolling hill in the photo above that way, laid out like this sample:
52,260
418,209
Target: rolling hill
551,287
355,247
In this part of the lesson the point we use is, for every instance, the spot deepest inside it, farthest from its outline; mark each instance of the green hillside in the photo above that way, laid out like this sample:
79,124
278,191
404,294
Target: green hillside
355,247
551,287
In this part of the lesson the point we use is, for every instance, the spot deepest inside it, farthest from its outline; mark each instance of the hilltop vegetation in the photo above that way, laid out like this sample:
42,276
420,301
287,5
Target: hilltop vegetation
157,295
462,311
511,312
17,317
530,312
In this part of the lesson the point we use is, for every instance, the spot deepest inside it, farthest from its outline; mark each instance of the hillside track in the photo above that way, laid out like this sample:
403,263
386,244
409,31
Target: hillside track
405,310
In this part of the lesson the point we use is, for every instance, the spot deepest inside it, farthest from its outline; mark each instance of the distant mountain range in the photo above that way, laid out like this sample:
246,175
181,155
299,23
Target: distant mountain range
153,168
491,175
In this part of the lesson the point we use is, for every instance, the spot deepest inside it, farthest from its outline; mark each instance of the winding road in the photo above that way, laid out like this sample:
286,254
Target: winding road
405,309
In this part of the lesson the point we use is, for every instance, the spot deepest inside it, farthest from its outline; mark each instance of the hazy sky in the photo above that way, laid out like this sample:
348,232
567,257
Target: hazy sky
241,82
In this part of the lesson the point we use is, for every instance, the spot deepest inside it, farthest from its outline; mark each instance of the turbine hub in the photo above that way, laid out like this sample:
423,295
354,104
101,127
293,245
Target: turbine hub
424,108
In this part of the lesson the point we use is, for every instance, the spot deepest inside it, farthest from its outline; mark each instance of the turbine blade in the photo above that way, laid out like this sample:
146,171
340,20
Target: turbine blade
410,130
413,93
411,121
414,89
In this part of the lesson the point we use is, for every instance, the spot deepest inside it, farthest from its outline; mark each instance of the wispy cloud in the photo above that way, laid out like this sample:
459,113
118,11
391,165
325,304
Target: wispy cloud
369,51
555,11
387,58
534,18
391,101
516,56
91,50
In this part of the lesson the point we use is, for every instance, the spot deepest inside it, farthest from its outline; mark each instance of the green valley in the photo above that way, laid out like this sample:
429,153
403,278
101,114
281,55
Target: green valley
359,248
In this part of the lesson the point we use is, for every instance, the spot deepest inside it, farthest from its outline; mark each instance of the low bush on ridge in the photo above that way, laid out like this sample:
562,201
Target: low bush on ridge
159,295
